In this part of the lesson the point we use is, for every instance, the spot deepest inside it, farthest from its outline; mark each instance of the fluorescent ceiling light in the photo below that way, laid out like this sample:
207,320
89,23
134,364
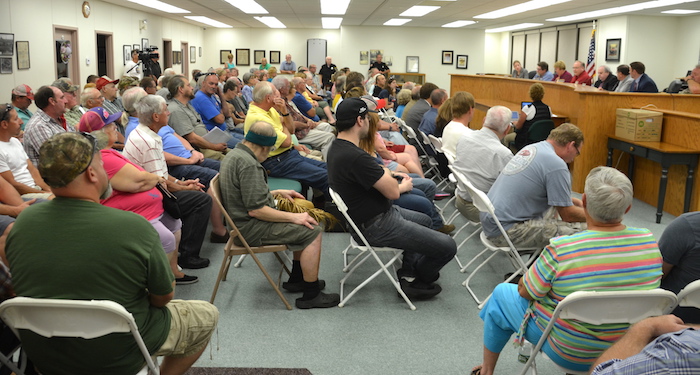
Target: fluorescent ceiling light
159,5
681,11
519,8
513,27
334,7
331,22
459,23
619,10
271,22
248,6
418,11
397,21
208,21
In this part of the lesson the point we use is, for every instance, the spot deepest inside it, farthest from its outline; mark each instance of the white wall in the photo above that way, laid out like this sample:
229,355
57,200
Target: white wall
345,44
687,51
497,53
34,21
654,41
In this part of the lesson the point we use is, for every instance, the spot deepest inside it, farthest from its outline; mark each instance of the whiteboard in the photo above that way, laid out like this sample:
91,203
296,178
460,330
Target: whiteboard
316,51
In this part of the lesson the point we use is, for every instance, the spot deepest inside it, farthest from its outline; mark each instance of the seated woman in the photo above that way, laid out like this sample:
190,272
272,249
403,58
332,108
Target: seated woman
518,70
402,99
389,93
405,162
529,115
608,256
133,189
443,118
560,73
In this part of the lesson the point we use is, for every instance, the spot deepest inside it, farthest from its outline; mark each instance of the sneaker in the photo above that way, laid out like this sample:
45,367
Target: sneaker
187,279
298,287
193,262
447,229
418,290
322,300
215,238
441,195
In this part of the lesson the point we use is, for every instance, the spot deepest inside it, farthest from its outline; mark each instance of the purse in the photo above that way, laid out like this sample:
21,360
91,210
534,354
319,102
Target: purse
170,204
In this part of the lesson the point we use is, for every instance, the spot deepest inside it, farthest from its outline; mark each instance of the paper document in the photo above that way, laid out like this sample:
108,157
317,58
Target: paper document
217,135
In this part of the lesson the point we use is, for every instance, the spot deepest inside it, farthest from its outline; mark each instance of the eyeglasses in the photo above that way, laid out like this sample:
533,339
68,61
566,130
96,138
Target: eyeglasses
8,108
578,150
93,141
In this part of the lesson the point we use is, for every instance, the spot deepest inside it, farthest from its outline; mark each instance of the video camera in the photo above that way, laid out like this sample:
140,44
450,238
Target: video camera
148,54
150,67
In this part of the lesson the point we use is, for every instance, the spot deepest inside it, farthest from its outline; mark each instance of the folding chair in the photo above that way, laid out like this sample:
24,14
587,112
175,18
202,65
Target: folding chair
367,251
72,318
423,154
6,358
436,143
483,203
231,250
628,306
689,296
468,224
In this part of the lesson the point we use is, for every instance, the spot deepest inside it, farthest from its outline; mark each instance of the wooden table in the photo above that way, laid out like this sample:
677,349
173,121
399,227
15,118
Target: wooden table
663,153
486,104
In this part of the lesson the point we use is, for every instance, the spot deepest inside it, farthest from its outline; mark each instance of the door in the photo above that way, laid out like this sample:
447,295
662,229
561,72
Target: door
105,55
185,53
66,52
167,54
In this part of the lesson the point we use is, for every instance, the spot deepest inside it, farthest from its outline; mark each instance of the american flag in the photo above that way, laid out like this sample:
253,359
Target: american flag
590,63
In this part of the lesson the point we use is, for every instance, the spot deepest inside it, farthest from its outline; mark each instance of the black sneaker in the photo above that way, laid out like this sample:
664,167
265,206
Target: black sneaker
298,287
187,279
215,238
322,300
194,262
418,290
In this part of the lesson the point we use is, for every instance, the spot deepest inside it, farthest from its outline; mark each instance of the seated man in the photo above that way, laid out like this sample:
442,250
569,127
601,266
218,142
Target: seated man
100,253
657,345
481,156
207,102
543,73
580,75
250,203
680,248
15,166
641,81
184,162
693,81
608,256
533,188
427,124
624,78
368,190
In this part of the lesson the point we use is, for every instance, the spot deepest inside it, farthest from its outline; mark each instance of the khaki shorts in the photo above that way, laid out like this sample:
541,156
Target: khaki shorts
191,326
537,232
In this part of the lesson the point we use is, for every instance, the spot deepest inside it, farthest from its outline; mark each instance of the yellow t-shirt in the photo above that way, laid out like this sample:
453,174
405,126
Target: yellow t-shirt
256,114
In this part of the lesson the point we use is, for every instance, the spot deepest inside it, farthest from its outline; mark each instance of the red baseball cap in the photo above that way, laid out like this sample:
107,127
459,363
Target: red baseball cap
104,81
23,90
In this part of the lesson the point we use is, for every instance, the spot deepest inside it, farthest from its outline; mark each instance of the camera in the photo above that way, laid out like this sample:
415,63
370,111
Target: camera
150,67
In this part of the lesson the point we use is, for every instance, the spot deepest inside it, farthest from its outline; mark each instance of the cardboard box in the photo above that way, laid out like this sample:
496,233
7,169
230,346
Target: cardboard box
639,125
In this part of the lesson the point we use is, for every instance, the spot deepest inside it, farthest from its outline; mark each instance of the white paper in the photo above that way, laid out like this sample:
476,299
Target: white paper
217,135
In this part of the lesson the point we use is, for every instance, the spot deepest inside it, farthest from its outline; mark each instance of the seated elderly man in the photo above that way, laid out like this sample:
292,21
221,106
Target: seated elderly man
250,203
608,256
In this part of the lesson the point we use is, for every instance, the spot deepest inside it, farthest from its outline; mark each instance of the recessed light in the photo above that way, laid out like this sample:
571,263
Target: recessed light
331,22
513,27
459,23
681,11
334,7
208,21
520,8
619,10
159,5
418,11
397,21
271,22
248,6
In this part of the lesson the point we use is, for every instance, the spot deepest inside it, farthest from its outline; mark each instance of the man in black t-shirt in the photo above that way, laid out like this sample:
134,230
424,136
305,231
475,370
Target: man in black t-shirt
380,65
368,189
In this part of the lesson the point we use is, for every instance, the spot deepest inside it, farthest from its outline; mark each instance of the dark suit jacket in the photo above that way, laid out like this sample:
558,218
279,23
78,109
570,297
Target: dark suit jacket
645,84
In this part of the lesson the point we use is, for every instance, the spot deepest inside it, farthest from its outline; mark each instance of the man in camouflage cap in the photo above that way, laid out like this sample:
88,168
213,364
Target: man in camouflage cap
71,93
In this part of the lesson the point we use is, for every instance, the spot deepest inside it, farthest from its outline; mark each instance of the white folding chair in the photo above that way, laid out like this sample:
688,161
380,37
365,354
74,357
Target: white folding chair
72,318
483,203
629,306
423,154
468,224
689,296
367,251
436,143
16,368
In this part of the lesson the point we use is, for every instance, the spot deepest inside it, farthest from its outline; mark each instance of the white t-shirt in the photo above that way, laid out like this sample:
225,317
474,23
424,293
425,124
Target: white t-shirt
136,72
13,158
451,134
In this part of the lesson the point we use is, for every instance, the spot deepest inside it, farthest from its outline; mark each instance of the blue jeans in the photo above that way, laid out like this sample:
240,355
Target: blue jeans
290,164
205,171
426,251
415,200
237,137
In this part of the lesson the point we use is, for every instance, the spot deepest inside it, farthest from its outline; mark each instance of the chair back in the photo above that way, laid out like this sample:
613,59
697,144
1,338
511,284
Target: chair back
343,208
234,232
531,74
690,295
72,318
436,142
539,131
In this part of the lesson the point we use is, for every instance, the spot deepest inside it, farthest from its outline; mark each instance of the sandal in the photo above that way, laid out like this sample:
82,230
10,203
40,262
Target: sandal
476,371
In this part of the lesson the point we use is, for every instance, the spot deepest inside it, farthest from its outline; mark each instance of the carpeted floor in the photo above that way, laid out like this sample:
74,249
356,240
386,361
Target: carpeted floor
246,371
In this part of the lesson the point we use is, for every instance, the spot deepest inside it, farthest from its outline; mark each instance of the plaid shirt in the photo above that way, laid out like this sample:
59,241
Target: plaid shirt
73,116
40,128
113,106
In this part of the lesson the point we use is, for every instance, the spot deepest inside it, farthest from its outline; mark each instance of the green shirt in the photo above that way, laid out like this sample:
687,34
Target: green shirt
75,249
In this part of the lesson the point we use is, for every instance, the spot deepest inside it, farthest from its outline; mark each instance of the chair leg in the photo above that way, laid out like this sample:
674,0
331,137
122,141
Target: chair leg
221,276
240,261
272,282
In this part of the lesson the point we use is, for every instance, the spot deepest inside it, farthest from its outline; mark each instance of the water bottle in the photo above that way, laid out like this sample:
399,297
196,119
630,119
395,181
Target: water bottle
524,352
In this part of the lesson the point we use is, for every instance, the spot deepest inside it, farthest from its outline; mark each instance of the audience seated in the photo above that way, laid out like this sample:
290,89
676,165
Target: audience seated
588,258
414,115
529,114
402,99
71,94
444,116
108,89
207,102
437,98
130,98
462,104
249,80
389,93
47,120
480,157
149,84
533,188
22,97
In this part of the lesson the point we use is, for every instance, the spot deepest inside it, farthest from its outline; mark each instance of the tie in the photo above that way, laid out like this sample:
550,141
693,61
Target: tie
634,87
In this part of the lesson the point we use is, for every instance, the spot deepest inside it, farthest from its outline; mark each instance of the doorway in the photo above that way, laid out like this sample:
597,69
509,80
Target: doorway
66,53
167,54
105,55
185,50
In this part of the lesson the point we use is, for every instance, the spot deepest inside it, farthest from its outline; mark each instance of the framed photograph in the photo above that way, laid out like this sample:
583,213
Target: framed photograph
447,57
388,60
373,54
136,47
5,65
144,44
274,57
364,57
243,56
223,56
612,49
22,55
7,44
462,61
412,64
200,51
127,53
258,55
193,54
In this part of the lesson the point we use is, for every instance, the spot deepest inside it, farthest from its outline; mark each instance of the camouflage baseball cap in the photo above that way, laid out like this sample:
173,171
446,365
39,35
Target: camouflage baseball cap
126,82
65,156
65,85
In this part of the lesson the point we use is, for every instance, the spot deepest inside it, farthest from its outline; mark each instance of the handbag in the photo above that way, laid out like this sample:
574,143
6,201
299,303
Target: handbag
170,204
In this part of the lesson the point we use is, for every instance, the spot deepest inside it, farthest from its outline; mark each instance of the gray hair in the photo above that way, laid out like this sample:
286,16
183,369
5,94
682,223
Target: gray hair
297,81
408,86
148,106
262,90
498,118
247,77
131,97
102,138
87,94
605,68
279,82
608,194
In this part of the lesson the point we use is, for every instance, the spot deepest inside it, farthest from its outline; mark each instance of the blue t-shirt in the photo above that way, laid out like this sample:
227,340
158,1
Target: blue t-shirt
171,144
303,105
133,123
207,107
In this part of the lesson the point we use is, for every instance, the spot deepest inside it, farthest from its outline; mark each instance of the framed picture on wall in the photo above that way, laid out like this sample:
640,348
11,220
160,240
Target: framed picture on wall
223,56
373,54
364,57
144,44
127,53
274,57
5,65
136,47
242,56
258,55
193,54
412,64
447,57
462,61
612,49
7,44
22,55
